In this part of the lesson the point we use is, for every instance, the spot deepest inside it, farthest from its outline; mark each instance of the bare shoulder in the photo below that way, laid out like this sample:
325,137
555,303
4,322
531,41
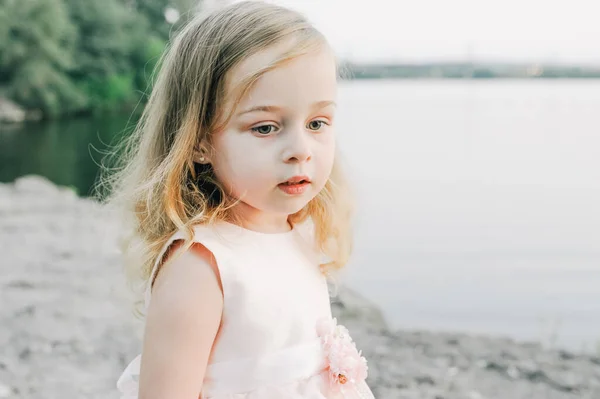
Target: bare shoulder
182,322
194,266
187,287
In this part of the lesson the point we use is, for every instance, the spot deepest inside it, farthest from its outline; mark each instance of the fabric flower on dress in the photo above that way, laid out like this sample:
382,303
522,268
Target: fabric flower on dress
345,366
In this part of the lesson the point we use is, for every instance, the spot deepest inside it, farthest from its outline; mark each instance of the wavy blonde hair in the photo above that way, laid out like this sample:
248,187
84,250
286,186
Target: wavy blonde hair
157,187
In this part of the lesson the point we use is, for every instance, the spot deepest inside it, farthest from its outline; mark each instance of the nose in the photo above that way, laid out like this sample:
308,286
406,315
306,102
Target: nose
297,148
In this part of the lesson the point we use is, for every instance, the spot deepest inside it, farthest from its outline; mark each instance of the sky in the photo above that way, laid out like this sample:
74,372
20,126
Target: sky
560,31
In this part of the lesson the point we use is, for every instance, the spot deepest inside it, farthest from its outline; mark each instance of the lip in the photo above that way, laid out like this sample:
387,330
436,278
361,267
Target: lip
295,185
296,179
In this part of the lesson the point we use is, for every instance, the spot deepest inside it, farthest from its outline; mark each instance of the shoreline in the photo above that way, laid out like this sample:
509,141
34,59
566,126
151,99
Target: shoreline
69,329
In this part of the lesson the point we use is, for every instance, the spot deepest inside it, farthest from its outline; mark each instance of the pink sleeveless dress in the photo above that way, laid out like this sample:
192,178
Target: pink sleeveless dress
277,338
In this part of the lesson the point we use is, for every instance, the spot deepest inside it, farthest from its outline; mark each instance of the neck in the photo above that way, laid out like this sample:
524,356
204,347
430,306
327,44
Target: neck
263,222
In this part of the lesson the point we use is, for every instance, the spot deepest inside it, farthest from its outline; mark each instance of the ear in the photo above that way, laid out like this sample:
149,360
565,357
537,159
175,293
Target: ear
201,156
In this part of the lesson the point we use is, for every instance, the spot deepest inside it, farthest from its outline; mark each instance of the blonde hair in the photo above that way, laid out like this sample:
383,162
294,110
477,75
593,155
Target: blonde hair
156,184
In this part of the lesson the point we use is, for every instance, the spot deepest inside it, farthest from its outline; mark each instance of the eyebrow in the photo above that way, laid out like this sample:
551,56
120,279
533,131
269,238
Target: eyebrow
274,108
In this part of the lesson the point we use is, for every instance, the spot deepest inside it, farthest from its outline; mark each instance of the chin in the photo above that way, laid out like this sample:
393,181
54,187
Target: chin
290,207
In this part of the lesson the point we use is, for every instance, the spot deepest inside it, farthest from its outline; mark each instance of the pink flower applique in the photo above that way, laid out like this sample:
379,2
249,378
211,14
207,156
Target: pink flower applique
344,363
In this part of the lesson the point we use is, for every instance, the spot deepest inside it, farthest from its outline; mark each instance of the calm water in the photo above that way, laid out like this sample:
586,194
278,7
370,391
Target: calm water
67,152
479,201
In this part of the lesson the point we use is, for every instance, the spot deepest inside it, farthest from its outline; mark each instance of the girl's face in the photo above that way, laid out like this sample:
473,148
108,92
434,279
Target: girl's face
281,132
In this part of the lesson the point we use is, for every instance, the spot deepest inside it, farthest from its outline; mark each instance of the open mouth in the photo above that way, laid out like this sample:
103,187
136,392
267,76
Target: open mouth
295,185
295,182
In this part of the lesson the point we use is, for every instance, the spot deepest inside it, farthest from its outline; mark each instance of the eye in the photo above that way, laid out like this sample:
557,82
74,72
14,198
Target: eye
263,130
316,124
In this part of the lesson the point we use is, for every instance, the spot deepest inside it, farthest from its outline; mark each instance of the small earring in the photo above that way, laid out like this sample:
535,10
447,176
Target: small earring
201,156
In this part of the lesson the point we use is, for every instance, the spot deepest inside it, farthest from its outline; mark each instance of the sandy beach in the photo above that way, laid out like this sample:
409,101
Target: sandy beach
67,327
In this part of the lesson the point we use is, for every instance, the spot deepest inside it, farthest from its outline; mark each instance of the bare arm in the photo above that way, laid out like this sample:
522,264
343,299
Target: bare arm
181,326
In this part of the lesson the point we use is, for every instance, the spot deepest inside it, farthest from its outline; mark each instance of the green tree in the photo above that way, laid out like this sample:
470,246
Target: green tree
36,53
118,45
103,68
154,12
155,34
67,56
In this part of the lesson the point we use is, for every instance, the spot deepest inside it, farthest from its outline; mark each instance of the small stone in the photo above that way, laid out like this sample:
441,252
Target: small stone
5,391
452,372
475,395
513,372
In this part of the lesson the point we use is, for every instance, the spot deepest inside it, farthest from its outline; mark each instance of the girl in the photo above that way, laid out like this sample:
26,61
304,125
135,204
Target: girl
234,196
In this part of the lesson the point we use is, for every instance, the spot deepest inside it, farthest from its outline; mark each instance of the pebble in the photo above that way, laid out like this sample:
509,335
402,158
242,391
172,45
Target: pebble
5,391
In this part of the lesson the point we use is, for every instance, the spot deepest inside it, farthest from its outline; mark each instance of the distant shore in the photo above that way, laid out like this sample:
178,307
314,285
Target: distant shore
68,328
468,70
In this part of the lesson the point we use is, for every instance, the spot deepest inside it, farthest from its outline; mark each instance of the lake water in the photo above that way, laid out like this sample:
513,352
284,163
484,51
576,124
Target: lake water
478,200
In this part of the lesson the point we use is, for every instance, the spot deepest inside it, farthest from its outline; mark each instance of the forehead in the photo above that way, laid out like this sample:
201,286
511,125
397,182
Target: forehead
306,78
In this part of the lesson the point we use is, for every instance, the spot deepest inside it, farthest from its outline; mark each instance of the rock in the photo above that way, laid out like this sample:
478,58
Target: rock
35,185
12,113
352,308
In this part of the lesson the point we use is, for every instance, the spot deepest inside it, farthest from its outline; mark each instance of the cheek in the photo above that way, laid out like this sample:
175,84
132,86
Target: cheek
327,155
236,164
